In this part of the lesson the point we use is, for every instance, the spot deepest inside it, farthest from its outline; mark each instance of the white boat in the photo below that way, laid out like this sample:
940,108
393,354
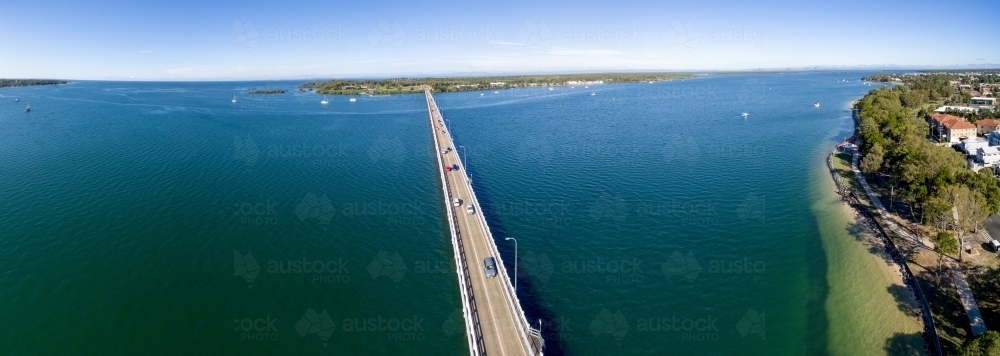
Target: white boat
16,100
496,92
481,94
592,94
745,115
352,100
27,108
234,98
551,88
324,102
816,105
586,87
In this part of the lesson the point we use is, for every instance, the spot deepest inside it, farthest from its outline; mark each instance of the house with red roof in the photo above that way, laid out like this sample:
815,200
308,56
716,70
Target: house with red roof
950,128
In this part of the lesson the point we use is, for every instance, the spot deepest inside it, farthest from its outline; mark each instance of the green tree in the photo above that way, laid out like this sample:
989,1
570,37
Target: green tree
987,344
944,244
873,160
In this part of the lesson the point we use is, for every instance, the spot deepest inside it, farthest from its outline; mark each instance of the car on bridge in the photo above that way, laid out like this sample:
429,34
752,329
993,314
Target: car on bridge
471,209
456,202
491,266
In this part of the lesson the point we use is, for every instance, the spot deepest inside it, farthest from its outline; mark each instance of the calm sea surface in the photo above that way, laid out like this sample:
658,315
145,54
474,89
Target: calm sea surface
162,218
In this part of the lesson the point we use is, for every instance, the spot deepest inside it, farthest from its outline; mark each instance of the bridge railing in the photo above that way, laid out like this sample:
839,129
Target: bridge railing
525,331
473,327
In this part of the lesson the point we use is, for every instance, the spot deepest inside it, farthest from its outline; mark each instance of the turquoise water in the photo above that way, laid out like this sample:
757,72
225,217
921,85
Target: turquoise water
653,206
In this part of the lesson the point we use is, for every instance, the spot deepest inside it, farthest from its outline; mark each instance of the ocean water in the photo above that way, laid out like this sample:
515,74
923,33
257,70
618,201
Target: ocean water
161,218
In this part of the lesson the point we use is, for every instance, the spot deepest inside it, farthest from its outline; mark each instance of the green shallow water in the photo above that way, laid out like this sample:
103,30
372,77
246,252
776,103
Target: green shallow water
651,218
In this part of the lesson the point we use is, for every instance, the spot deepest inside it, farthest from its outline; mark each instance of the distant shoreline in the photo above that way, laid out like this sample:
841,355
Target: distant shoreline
5,83
457,84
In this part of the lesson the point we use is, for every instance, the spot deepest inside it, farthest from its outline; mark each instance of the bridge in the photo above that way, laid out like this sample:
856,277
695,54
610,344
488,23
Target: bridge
495,324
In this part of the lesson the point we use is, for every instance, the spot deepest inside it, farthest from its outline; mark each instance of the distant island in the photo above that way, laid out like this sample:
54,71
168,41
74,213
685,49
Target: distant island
29,82
267,91
417,85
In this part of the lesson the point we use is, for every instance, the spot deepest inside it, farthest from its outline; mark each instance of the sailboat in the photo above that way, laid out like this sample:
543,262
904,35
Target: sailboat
234,98
352,100
27,108
592,94
324,102
745,115
816,105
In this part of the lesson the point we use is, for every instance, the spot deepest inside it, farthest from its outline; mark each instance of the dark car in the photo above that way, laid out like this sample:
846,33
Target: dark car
491,267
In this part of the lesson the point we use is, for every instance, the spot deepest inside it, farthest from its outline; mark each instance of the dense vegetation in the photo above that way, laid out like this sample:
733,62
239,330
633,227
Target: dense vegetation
987,344
927,177
416,85
267,91
28,82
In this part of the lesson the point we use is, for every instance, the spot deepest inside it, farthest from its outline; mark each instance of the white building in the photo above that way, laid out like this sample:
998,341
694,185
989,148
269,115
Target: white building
988,156
972,145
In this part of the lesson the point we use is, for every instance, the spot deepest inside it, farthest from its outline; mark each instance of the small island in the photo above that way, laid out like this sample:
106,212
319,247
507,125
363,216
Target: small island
267,91
417,85
29,82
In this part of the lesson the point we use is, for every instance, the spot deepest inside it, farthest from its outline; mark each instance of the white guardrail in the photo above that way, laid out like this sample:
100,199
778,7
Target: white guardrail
525,330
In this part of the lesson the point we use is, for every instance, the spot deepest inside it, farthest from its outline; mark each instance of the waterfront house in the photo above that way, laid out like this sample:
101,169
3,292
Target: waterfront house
983,101
950,128
986,126
945,108
988,156
971,145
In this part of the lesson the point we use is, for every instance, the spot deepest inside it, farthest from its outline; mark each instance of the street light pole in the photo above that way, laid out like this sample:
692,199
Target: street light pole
515,261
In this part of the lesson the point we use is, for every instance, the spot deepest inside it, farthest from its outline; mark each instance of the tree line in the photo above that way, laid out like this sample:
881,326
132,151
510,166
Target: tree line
28,82
931,180
411,85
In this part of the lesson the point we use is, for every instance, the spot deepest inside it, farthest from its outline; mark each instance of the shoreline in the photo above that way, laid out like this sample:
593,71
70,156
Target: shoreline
868,304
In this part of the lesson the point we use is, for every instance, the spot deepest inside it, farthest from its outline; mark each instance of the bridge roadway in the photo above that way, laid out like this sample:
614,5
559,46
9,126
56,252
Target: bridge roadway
495,323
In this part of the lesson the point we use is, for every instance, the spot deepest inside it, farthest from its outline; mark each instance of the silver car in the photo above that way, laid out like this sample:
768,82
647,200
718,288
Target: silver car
469,208
491,267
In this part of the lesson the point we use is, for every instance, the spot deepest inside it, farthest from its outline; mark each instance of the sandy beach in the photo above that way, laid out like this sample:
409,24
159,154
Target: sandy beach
869,308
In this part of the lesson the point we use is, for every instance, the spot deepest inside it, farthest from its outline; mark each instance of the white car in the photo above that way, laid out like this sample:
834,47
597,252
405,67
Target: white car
456,202
995,245
470,209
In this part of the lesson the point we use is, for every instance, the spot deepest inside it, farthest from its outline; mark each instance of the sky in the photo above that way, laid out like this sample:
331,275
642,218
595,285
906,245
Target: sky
251,40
